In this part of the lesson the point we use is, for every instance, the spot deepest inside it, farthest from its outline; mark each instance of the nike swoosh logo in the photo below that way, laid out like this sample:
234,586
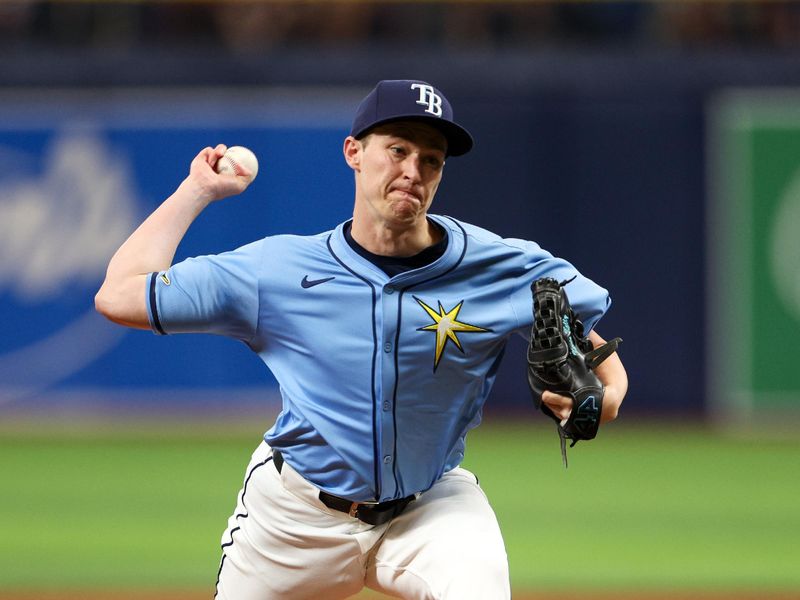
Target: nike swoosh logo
309,283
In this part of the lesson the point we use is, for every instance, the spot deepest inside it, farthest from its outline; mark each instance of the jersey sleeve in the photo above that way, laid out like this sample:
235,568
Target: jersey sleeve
589,300
216,294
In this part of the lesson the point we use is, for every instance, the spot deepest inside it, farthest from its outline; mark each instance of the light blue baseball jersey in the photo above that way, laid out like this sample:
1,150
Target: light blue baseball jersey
381,378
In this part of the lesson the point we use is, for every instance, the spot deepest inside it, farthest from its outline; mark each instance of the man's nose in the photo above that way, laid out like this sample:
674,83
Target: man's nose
411,168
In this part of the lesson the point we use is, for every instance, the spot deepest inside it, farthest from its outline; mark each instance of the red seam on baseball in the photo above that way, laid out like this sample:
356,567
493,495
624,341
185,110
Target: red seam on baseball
237,169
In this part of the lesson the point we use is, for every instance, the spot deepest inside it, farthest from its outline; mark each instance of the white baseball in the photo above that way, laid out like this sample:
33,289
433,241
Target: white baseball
234,159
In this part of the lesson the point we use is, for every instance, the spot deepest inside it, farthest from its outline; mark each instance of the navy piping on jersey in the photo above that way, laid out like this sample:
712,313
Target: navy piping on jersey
397,341
375,448
153,307
392,270
243,515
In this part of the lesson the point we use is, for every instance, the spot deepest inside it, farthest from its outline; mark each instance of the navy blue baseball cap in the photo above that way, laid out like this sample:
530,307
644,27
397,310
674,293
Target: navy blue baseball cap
411,100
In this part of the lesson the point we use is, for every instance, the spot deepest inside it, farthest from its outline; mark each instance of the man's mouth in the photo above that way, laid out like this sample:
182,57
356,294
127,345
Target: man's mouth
410,194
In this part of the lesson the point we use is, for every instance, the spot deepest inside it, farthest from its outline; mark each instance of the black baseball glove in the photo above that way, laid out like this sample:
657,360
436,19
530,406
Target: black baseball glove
562,360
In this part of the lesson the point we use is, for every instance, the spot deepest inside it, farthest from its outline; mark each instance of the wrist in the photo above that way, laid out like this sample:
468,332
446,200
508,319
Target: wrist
193,194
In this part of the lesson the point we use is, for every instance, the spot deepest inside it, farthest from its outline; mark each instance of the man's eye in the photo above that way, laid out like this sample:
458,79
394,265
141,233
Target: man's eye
434,163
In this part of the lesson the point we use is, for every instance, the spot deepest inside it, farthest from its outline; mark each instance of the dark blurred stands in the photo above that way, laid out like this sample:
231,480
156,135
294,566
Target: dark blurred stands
252,26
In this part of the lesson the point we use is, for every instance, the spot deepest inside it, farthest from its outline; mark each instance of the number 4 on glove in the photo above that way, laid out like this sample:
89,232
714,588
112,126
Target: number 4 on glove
561,360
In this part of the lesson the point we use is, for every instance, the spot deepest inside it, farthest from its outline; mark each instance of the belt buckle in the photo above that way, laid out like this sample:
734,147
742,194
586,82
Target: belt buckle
356,505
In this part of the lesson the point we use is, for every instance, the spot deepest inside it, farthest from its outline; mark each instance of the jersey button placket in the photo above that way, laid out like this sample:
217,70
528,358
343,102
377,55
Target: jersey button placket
389,305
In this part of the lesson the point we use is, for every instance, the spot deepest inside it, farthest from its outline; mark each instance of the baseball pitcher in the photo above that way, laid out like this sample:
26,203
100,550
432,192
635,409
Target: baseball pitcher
385,335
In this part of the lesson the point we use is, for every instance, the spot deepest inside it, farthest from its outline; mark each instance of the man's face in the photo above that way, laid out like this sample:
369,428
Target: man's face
399,168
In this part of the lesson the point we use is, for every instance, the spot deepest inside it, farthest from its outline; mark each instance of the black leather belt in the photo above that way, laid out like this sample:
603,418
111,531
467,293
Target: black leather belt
374,513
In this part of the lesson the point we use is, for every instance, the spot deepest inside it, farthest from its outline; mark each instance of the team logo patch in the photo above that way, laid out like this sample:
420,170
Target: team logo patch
165,279
446,326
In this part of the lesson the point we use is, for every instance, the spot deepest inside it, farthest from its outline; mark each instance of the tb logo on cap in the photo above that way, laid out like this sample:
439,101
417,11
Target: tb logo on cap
428,97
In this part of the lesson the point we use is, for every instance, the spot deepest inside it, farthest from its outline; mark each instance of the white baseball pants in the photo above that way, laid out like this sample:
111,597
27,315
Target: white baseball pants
282,543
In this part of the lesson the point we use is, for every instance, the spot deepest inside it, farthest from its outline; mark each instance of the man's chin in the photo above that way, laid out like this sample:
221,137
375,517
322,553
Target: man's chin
407,212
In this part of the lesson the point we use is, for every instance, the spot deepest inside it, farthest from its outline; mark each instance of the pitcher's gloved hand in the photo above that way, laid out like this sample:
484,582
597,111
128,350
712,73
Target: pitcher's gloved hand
561,360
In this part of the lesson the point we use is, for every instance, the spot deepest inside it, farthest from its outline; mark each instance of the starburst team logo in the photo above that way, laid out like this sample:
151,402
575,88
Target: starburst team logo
446,326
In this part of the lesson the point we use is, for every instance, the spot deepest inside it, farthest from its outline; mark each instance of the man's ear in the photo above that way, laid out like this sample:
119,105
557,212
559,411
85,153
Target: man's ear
352,152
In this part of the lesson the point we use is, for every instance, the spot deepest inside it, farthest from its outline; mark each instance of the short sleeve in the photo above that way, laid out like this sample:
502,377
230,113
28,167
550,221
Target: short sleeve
216,294
589,300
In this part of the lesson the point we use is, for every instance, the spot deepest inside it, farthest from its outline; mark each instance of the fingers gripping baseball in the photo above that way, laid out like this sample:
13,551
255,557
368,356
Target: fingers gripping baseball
213,176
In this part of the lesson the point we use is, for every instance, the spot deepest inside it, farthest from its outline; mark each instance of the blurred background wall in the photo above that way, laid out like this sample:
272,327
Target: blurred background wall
594,125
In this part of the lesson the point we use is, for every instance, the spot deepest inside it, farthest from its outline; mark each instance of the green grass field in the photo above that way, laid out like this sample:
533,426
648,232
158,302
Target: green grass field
638,508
